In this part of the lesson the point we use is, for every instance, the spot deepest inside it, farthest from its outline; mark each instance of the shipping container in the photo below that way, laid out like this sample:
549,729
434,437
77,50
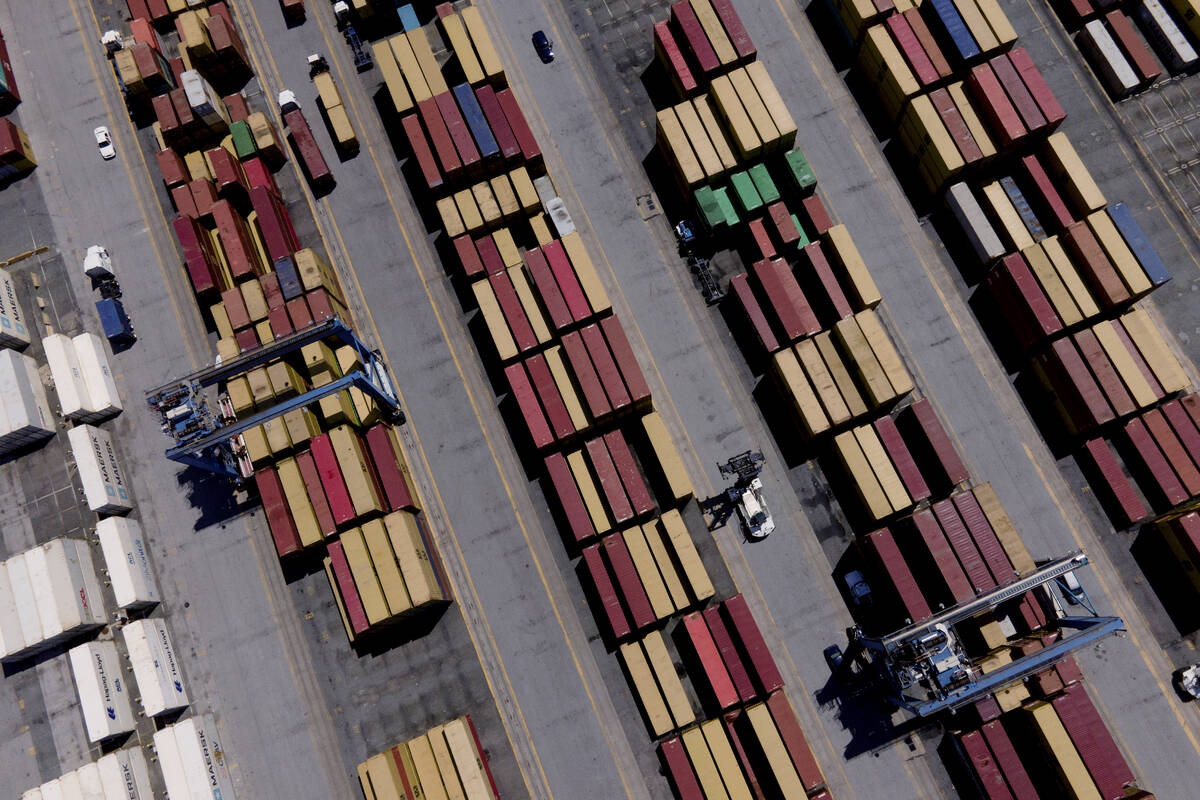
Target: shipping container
737,670
155,668
676,477
460,44
780,771
752,648
104,483
574,510
1065,166
946,17
1111,67
1063,756
103,693
702,761
1148,259
13,330
125,775
671,524
170,763
506,137
530,151
125,559
790,307
796,388
488,59
73,400
1132,47
970,217
204,760
632,592
1163,32
617,621
880,548
417,557
650,698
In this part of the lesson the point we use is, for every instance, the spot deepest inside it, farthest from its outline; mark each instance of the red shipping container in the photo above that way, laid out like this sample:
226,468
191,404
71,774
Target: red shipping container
227,170
183,111
568,282
137,8
1116,485
185,204
281,324
460,134
1106,374
1051,199
1093,264
235,308
1003,120
586,376
270,223
933,540
987,772
324,307
785,227
994,556
735,29
731,730
164,113
927,429
257,174
987,708
898,452
505,138
235,104
177,69
247,340
204,197
1184,428
681,73
829,282
547,392
610,483
435,126
754,313
1008,760
952,118
686,23
271,290
606,367
522,392
235,240
306,145
1156,464
391,469
717,675
1017,291
928,43
331,479
520,127
1173,449
193,243
149,66
683,777
489,254
420,148
275,508
1076,386
468,256
1138,360
880,547
762,241
631,478
792,319
1131,45
299,313
618,623
351,600
547,288
574,510
316,493
631,371
911,49
1092,739
964,548
753,646
1014,87
794,740
173,170
1047,103
625,572
729,655
158,9
1068,671
514,314
813,213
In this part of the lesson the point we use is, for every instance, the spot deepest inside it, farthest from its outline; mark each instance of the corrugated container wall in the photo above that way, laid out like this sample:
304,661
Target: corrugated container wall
123,544
103,694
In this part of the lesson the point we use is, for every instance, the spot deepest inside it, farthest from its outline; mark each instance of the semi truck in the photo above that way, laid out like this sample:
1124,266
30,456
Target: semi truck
318,172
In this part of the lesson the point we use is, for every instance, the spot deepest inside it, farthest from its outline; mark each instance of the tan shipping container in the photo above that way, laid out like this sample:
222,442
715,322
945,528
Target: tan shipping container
588,491
489,209
881,465
863,290
585,270
1052,284
870,372
1057,743
386,567
257,448
425,58
416,564
675,145
277,436
885,351
839,372
1149,341
726,761
1006,532
365,579
797,388
406,59
428,774
668,679
662,557
327,90
697,137
1132,274
302,424
1002,29
716,135
445,762
468,760
221,320
1016,235
647,570
714,32
352,461
482,40
778,760
980,31
451,220
648,694
384,778
260,385
529,304
1070,277
468,210
745,137
684,548
238,390
1127,369
485,298
506,196
460,43
510,255
393,79
866,485
296,494
702,762
822,381
541,231
1069,173
668,457
774,103
315,273
764,126
562,380
978,130
286,381
527,196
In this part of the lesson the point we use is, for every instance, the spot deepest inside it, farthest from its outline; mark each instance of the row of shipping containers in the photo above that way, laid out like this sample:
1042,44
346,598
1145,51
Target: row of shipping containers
119,775
489,205
344,137
16,155
701,40
447,761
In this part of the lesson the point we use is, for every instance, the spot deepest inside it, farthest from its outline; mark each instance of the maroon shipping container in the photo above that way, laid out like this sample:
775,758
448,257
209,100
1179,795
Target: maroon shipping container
227,172
574,510
247,340
1051,200
505,138
1184,428
1045,683
185,204
489,254
299,313
1168,485
281,324
235,308
631,478
606,367
631,371
331,479
1025,305
1116,485
1092,739
351,600
271,290
1106,374
762,241
754,313
898,452
1047,103
994,556
1008,761
164,113
785,226
439,136
1089,257
1075,386
158,9
794,740
194,244
586,376
610,483
933,541
923,428
1174,450
730,721
829,282
1186,531
514,314
1014,87
547,289
880,547
310,153
235,240
717,677
137,8
468,256
204,196
270,223
420,149
316,493
183,111
729,655
171,165
279,518
547,392
630,584
1003,120
686,23
456,126
964,548
986,708
683,777
391,469
676,65
943,103
911,49
258,174
735,29
522,392
1191,404
520,127
568,282
812,212
987,771
790,307
928,43
1132,46
753,647
325,307
618,623
235,104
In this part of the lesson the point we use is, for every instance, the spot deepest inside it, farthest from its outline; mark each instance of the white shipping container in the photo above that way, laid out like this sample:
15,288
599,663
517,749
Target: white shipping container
103,398
126,775
26,414
51,790
201,732
125,558
56,609
1107,59
23,597
12,638
90,785
1166,37
203,100
68,378
68,785
103,694
155,667
104,483
13,331
33,794
64,589
970,216
171,764
93,600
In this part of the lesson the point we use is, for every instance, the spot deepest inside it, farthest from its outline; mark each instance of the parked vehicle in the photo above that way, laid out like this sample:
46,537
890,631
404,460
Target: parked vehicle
543,46
104,142
302,138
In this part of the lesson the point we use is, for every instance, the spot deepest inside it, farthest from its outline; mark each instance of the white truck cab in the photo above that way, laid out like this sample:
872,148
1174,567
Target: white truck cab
96,262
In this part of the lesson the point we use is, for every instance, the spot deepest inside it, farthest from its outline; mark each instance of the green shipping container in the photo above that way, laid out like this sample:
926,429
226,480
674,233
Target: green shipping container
710,210
802,174
803,240
731,217
243,139
747,195
763,184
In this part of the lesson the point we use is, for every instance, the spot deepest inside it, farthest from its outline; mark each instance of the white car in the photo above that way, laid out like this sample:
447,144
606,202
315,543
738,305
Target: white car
105,143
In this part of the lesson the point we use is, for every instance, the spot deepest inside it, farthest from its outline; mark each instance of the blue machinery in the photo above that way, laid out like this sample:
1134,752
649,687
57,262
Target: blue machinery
925,669
203,434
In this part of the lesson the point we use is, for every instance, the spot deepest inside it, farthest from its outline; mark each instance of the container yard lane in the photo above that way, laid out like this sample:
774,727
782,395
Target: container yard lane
939,336
526,627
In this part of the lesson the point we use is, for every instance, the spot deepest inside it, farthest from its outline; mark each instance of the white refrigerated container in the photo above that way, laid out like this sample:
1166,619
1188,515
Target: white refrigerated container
104,483
67,376
90,785
13,331
103,694
170,763
26,417
12,636
22,589
126,775
155,667
104,400
124,546
203,760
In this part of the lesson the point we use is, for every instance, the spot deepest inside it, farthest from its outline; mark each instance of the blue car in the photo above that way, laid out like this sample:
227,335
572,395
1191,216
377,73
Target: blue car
544,47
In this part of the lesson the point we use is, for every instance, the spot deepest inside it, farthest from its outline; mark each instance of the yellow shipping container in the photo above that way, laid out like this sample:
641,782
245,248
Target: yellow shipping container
264,333
774,103
343,131
489,209
327,90
318,357
197,165
529,304
1130,270
822,382
796,387
1002,29
451,220
301,424
702,762
669,462
885,68
482,40
1065,167
975,125
748,143
668,679
764,126
257,448
675,146
716,135
506,196
406,59
445,762
425,58
365,579
428,774
885,351
527,196
648,694
277,436
286,381
1154,349
980,31
1070,277
845,254
1006,532
415,561
540,230
298,503
468,210
386,567
585,270
221,320
485,298
684,548
315,273
662,557
460,43
562,379
714,32
882,467
240,397
1127,369
1052,284
393,79
256,301
866,485
854,344
706,154
841,375
1016,235
510,256
647,570
260,385
588,491
1065,758
727,763
352,460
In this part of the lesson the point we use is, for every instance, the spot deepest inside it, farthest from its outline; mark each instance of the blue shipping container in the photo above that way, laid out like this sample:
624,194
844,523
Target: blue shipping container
289,278
473,114
956,30
1023,210
1131,232
114,321
408,18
